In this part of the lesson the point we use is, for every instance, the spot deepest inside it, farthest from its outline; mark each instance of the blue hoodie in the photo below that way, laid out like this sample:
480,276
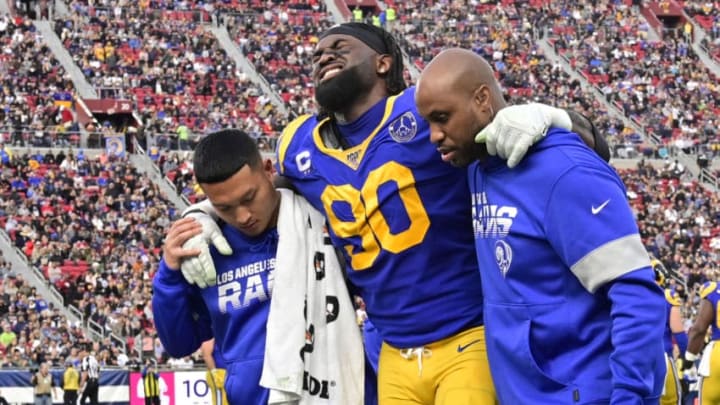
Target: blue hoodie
572,311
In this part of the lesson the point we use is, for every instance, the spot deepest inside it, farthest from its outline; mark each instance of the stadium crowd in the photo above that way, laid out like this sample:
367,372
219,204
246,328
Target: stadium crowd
176,73
506,35
659,83
95,227
36,91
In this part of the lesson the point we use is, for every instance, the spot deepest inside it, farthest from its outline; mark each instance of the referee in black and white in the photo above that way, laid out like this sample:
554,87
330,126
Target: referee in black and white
89,379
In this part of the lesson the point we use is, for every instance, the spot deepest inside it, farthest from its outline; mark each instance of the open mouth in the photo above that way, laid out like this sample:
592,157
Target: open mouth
446,154
328,73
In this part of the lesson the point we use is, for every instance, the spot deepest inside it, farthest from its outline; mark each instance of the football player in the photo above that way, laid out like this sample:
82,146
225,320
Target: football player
709,368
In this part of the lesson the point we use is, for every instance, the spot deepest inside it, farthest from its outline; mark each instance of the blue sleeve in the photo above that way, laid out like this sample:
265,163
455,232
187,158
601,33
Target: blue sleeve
181,318
637,308
288,163
144,372
590,225
373,344
682,341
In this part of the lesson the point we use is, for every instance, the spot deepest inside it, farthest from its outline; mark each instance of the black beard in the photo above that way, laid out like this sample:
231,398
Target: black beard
337,94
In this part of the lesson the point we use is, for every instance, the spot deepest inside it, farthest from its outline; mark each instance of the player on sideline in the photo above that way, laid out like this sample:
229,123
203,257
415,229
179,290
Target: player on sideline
572,310
215,375
399,214
674,331
709,368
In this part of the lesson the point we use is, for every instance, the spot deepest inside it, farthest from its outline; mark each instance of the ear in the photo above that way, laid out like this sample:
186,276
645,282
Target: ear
269,168
481,96
383,63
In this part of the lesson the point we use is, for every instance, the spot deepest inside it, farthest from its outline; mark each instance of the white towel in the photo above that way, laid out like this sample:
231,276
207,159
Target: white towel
318,358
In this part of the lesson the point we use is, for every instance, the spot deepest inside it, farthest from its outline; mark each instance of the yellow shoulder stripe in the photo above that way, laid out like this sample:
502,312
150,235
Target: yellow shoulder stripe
358,150
672,298
286,137
707,289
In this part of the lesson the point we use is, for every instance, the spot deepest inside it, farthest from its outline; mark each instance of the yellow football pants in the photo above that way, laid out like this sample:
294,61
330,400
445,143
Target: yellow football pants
710,385
452,371
671,392
216,385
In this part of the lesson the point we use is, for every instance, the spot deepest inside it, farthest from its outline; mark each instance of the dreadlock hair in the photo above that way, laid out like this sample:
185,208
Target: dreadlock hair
394,79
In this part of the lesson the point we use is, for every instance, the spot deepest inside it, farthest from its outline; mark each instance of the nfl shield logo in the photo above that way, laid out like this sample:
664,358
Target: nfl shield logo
404,128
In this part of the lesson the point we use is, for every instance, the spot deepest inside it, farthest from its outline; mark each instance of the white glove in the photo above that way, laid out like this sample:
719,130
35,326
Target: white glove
515,128
200,269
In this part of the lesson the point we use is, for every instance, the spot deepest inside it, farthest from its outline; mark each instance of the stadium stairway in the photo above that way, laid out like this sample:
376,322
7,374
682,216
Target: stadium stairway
223,37
699,35
687,160
333,8
21,266
61,10
84,89
33,275
148,168
549,51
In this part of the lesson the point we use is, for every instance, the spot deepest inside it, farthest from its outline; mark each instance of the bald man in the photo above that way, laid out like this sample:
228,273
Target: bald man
572,311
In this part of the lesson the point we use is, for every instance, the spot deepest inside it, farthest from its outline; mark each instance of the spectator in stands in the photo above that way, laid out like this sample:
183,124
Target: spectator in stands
8,337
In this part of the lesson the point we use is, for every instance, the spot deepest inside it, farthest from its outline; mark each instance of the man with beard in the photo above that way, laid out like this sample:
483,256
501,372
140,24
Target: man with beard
399,214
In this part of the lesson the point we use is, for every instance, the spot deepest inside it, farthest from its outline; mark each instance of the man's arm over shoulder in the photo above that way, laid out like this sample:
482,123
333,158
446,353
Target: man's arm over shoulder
584,127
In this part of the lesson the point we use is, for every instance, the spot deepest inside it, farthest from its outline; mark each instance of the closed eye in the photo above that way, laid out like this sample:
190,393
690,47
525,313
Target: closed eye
339,47
438,117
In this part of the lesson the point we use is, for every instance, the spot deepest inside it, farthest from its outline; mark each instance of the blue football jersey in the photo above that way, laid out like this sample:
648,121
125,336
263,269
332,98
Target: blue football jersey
671,300
550,235
711,293
400,215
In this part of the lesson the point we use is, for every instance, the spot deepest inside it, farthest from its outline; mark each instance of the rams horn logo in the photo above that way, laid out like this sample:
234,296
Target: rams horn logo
503,256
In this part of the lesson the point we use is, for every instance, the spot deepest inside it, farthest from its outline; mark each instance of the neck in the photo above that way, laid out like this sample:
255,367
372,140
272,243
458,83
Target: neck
481,152
497,103
276,211
362,105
